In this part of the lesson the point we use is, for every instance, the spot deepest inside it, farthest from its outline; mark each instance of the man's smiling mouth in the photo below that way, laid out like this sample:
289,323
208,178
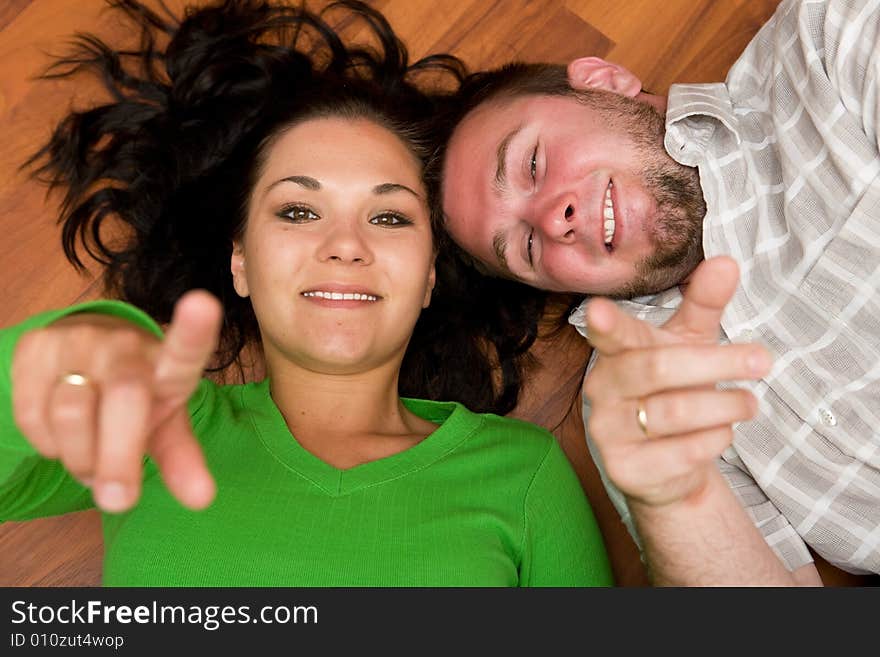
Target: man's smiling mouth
608,214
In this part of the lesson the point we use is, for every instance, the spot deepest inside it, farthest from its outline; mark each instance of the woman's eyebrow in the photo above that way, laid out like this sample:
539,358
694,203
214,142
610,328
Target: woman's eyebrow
388,188
302,181
314,185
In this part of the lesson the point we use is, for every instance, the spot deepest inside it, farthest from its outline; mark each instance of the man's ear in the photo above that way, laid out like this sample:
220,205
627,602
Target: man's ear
595,73
236,266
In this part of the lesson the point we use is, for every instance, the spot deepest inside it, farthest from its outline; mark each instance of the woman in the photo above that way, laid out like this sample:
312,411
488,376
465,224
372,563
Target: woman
280,170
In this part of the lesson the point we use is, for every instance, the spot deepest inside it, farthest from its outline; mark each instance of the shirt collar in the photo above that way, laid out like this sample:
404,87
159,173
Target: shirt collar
693,113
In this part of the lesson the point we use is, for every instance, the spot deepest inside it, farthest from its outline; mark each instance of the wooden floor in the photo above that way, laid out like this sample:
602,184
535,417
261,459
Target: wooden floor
662,41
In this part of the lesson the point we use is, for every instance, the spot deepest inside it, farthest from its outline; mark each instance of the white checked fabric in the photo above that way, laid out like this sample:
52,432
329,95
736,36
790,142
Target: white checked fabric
787,151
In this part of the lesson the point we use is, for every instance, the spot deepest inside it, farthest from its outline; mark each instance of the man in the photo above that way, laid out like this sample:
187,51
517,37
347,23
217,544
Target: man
591,185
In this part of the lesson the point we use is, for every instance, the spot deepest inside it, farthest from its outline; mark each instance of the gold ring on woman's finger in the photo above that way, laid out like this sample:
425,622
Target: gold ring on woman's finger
642,417
75,379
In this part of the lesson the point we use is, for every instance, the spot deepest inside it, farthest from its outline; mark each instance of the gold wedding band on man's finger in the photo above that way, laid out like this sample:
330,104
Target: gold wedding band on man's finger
642,417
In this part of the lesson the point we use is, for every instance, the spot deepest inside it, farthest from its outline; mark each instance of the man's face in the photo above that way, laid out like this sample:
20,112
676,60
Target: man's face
573,195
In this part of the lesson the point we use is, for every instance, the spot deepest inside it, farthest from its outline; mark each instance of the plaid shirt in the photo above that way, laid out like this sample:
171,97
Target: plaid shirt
787,151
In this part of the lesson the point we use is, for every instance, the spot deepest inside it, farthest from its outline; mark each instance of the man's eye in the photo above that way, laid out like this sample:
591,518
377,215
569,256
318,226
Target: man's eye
298,214
390,219
533,163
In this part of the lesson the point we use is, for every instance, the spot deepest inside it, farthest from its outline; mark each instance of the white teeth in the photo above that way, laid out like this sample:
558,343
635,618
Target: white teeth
339,296
608,213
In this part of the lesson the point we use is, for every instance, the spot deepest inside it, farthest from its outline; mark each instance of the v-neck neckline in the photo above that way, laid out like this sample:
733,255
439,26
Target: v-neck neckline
455,422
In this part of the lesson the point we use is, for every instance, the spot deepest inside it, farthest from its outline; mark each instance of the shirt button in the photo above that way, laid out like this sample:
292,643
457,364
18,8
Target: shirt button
827,417
746,335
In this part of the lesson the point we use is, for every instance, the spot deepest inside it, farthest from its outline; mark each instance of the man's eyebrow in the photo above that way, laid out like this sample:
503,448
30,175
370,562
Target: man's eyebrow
499,245
388,188
501,159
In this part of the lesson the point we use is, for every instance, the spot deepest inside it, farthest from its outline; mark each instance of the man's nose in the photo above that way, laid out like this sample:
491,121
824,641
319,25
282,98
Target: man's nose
556,220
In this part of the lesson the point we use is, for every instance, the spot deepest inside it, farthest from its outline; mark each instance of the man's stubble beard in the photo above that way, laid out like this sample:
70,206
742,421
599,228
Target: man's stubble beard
679,230
678,234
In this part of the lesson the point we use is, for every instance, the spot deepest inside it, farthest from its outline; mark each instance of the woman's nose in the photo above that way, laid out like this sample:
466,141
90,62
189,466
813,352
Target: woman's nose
346,244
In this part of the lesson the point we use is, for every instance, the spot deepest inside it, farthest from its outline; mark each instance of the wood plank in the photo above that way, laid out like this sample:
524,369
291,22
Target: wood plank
62,551
10,9
660,42
703,61
501,31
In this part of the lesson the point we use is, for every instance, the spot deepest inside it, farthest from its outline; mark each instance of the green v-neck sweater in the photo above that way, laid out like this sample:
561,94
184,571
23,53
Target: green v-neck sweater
482,501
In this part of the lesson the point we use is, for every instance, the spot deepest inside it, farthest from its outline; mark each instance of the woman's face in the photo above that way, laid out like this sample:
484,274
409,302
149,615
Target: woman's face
337,253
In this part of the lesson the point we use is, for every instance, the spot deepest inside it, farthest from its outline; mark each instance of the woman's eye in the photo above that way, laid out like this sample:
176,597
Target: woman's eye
533,163
529,247
298,214
390,219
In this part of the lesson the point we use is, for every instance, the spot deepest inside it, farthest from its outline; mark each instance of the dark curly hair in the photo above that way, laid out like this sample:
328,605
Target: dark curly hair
174,155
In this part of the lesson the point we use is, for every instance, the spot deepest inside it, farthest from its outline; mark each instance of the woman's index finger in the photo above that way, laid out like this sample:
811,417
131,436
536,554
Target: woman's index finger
189,343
